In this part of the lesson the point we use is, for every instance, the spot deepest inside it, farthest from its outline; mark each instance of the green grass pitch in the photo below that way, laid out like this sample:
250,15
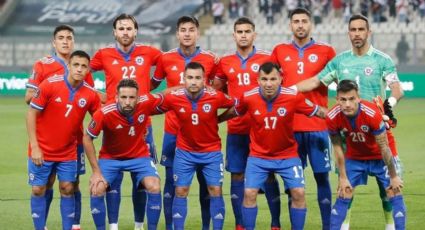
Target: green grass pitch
366,214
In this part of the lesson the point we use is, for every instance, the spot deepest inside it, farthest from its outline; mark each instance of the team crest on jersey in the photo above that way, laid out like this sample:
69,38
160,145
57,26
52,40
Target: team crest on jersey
255,67
175,177
281,111
206,108
368,71
364,128
82,102
313,58
31,176
139,60
141,118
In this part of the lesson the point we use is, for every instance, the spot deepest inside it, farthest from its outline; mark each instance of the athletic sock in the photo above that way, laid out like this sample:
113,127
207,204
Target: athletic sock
98,211
153,210
297,216
249,216
324,198
237,194
338,213
38,211
67,208
272,193
179,212
217,211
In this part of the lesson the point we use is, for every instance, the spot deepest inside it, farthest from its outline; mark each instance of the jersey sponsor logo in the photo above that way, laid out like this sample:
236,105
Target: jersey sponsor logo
255,67
287,58
368,71
139,60
174,68
364,128
119,126
82,102
313,58
206,108
281,111
141,118
231,70
257,112
182,110
115,62
58,100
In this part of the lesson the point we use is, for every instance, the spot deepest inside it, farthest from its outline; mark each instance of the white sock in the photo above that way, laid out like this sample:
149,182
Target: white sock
389,227
76,226
345,226
138,225
113,226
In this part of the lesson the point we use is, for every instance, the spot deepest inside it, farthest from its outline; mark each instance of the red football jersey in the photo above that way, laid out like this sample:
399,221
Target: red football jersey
360,131
62,114
271,133
117,65
171,66
241,76
298,64
123,137
47,67
198,122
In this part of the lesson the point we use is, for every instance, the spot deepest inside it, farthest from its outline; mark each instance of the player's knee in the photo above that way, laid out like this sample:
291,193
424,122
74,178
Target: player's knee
298,197
238,176
38,190
250,197
153,185
66,188
214,190
391,193
182,191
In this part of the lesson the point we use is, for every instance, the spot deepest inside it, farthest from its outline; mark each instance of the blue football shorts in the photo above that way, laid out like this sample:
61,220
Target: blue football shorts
315,146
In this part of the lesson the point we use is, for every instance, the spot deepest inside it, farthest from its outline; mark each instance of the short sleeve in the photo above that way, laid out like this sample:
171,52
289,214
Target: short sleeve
332,124
159,73
95,126
219,74
155,54
225,100
95,105
35,78
89,79
305,106
41,96
329,73
389,71
241,106
165,104
96,62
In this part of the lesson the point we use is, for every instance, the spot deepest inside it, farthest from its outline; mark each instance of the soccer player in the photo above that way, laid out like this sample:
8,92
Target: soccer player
123,123
273,148
56,64
300,59
373,71
368,152
171,67
126,59
237,73
54,119
198,144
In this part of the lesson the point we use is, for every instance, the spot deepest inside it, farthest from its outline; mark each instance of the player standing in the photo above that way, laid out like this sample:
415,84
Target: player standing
171,67
198,144
56,64
60,103
368,152
126,59
237,73
300,59
123,123
373,71
273,148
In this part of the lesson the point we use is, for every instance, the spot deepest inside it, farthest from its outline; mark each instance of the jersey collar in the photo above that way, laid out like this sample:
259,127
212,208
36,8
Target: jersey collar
353,119
244,61
125,55
129,118
369,51
188,59
72,90
62,63
303,48
194,102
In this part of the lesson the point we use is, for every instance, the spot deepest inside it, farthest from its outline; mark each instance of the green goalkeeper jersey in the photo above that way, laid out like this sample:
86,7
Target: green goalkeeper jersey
372,72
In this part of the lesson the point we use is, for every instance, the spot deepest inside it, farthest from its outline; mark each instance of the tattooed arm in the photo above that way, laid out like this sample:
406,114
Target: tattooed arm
344,187
382,141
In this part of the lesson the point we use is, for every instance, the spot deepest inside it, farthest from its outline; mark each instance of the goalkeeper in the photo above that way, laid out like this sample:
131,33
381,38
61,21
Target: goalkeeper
373,71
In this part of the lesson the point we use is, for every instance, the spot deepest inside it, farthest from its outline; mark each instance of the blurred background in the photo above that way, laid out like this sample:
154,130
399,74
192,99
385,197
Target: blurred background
398,28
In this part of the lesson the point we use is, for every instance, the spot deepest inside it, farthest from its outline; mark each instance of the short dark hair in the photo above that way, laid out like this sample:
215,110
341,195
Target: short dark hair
243,20
127,82
63,27
80,53
123,17
194,65
268,67
358,17
187,18
300,10
346,86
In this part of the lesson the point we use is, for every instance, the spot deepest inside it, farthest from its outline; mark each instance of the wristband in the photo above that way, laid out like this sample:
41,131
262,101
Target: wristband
392,101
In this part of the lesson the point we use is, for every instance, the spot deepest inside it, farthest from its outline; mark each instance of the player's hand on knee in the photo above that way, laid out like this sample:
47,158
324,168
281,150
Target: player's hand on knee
37,156
345,190
396,184
98,184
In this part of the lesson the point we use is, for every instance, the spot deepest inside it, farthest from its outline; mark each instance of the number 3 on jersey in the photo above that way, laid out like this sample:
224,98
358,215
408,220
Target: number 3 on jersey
128,72
300,69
